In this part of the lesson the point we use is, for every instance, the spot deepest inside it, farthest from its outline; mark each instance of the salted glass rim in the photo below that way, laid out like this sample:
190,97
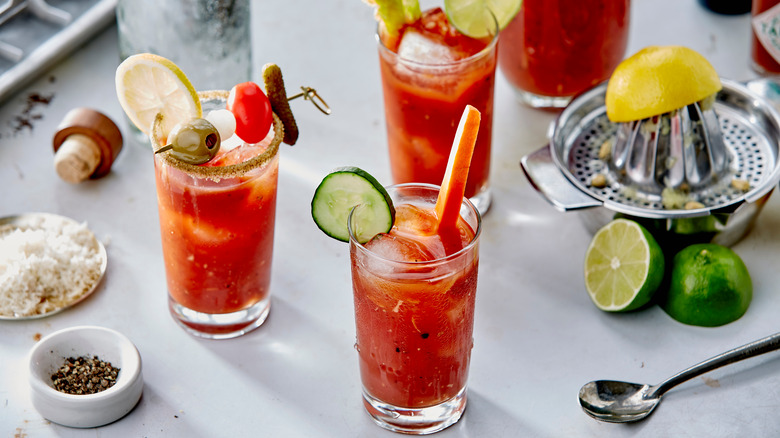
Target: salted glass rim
472,243
481,54
231,170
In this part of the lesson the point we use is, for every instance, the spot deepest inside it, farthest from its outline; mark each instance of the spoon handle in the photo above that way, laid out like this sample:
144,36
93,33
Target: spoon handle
755,348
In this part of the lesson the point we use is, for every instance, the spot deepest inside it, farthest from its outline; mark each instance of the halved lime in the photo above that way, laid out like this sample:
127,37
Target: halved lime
342,190
474,18
148,84
623,266
710,286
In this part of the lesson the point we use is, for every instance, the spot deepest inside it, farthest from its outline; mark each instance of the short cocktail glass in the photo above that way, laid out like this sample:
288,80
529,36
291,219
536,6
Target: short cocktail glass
415,319
555,49
424,97
217,229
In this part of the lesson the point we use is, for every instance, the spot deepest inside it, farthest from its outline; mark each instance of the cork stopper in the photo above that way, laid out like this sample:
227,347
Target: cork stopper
77,158
86,144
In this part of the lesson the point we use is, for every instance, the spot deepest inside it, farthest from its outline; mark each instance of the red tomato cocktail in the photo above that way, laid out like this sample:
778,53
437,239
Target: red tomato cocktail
425,91
555,49
217,229
414,291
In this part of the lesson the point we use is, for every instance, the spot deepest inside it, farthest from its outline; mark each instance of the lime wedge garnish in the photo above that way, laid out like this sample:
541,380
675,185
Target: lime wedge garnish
623,266
475,18
148,84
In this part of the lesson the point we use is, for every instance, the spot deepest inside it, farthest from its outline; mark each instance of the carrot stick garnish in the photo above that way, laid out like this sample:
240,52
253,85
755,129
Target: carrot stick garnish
454,184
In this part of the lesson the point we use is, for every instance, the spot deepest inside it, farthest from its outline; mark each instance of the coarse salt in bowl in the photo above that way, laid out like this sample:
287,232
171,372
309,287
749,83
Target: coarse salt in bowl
85,410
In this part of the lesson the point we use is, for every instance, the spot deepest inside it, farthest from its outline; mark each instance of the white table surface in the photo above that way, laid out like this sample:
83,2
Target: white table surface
538,338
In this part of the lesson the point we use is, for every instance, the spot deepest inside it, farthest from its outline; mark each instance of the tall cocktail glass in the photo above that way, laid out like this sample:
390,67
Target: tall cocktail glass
217,228
414,291
425,90
555,49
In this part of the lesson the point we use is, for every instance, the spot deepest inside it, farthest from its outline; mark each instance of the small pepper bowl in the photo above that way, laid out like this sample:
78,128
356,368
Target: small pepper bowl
87,410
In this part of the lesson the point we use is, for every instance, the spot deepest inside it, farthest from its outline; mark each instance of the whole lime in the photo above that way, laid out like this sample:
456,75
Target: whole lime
710,286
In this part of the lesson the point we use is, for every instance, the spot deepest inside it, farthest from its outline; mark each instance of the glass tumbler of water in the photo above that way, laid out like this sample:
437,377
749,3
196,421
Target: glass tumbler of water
208,39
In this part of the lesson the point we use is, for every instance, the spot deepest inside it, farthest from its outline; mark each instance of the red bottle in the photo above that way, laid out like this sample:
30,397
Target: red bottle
763,14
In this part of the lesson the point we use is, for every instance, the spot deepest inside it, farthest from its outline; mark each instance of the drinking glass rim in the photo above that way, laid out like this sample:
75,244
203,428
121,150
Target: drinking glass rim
459,253
218,172
482,53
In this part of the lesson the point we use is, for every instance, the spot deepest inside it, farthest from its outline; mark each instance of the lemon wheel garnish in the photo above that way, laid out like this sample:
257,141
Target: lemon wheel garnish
657,80
148,84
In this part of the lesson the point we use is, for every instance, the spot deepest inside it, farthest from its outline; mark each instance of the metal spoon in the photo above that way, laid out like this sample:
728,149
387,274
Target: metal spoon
623,402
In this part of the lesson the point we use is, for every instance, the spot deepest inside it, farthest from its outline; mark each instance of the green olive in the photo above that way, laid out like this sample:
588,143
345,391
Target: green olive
194,142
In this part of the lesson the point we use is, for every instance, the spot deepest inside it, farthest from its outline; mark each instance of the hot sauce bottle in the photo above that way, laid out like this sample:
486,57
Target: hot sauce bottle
765,47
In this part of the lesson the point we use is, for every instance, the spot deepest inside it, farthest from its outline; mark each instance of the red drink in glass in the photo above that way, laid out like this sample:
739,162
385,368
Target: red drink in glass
425,90
217,228
555,49
414,291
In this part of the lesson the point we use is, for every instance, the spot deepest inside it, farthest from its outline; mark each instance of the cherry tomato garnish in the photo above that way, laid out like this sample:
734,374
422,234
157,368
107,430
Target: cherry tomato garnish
252,110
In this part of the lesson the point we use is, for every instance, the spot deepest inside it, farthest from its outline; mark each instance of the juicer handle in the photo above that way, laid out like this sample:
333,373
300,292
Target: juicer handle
545,176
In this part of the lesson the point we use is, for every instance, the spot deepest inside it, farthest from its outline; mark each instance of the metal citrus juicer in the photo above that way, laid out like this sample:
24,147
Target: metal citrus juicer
701,173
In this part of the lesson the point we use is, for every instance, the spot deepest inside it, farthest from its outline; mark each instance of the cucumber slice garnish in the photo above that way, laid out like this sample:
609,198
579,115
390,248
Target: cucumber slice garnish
342,190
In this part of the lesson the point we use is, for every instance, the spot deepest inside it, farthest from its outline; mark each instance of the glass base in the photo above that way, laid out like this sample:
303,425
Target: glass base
416,421
541,101
220,325
482,201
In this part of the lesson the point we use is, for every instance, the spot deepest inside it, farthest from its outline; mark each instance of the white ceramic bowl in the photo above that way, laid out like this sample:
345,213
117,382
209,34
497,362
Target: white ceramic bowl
88,410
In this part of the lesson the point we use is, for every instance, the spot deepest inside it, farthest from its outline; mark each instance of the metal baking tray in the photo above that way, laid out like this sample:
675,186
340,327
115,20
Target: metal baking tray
35,34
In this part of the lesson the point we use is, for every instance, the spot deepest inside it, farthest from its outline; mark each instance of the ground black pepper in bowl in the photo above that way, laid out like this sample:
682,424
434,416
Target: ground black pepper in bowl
84,375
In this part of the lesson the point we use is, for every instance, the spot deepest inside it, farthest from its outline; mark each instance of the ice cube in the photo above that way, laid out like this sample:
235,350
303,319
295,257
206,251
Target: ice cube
204,233
235,151
236,155
413,220
398,248
416,47
230,143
